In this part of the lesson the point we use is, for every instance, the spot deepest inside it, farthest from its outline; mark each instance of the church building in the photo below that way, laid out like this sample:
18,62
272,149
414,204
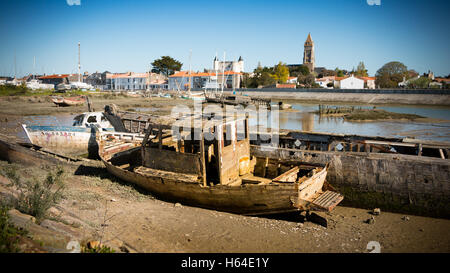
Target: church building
308,54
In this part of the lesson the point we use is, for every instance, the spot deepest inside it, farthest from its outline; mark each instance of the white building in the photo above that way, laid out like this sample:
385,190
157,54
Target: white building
135,81
200,80
292,80
349,83
323,82
235,66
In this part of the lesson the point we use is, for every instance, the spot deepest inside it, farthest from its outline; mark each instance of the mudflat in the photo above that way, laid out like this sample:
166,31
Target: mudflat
98,206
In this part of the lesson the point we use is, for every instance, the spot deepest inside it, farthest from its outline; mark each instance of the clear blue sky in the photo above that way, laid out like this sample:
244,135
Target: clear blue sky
128,35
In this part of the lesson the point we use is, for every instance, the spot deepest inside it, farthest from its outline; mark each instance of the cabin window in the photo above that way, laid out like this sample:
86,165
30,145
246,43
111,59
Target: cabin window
227,135
241,130
92,119
78,120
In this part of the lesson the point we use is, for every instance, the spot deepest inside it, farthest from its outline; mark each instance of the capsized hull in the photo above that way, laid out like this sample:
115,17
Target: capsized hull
68,101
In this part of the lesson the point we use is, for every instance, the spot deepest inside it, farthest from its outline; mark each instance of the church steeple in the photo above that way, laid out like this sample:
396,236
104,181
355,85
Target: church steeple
308,54
309,40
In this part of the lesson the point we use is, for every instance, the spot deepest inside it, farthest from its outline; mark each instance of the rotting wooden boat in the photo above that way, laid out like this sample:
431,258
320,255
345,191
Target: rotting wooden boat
209,165
72,101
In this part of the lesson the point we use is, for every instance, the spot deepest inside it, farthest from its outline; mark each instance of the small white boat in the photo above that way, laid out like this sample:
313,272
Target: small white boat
72,140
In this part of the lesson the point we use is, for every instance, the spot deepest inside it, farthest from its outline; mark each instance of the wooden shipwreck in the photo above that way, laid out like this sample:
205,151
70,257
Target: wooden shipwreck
207,163
72,101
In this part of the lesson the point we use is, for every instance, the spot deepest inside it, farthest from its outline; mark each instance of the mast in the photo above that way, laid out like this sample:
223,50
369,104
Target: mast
15,65
217,79
190,56
223,70
34,67
79,63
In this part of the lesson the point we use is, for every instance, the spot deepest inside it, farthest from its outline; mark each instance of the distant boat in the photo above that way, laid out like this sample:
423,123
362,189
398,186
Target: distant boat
35,84
72,101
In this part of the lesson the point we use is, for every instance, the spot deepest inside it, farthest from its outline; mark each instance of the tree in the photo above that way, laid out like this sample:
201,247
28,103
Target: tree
339,72
390,74
422,82
327,73
361,70
307,81
412,74
281,73
296,71
262,76
166,66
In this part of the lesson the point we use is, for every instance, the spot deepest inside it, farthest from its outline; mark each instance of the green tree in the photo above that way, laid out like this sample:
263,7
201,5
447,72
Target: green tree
281,73
327,73
339,72
306,81
296,71
262,76
166,65
361,70
390,74
422,82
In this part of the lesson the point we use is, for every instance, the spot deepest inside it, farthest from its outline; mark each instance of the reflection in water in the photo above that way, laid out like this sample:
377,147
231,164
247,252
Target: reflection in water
304,120
308,122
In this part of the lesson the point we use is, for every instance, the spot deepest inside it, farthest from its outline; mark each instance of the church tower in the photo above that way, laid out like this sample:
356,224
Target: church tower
308,55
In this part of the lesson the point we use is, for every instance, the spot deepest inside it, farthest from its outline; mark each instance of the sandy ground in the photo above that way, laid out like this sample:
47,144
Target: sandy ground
98,206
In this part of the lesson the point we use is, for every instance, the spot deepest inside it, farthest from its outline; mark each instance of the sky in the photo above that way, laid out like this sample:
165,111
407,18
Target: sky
121,36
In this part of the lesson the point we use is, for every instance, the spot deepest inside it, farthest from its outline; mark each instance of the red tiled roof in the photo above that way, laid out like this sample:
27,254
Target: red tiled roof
55,76
201,74
285,85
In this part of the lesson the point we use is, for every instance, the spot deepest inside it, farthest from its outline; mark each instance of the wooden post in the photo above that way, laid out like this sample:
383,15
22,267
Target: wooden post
419,152
144,143
202,157
160,137
441,153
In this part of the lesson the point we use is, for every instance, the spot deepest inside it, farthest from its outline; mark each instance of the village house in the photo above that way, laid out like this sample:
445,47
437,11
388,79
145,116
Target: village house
200,80
325,81
351,82
292,80
131,81
56,79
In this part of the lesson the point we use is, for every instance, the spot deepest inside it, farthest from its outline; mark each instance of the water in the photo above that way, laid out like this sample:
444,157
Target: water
303,119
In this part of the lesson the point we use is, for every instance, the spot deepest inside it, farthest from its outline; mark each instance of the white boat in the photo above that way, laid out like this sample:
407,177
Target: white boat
35,85
72,140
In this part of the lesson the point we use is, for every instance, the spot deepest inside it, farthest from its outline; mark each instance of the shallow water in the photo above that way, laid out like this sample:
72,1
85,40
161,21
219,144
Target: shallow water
303,119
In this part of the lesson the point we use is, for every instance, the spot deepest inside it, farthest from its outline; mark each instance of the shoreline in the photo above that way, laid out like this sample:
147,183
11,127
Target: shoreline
365,98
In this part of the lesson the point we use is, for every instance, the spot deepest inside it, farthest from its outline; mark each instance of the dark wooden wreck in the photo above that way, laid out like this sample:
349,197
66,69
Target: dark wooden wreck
212,168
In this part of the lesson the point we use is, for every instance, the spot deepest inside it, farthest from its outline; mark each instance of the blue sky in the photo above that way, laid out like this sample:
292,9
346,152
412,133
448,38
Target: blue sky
128,35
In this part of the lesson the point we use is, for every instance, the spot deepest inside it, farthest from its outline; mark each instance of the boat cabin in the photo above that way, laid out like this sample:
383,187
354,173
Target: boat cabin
87,119
216,151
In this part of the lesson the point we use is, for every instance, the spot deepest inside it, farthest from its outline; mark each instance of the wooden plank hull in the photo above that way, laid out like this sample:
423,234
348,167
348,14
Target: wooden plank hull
249,199
68,101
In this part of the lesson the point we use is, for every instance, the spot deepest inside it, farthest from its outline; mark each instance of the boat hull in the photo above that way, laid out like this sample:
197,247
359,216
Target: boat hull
248,199
68,140
68,102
